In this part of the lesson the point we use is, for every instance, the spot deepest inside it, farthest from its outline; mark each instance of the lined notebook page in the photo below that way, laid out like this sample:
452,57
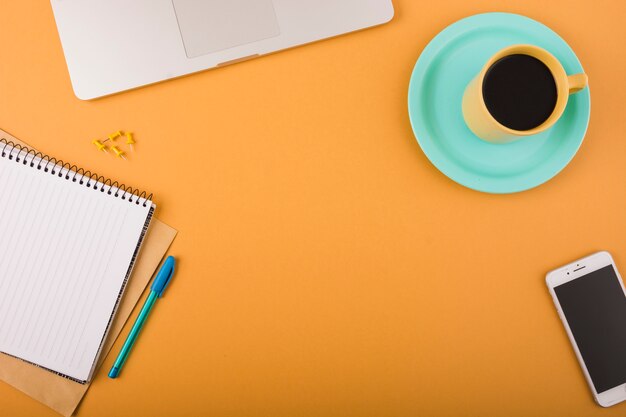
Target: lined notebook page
65,251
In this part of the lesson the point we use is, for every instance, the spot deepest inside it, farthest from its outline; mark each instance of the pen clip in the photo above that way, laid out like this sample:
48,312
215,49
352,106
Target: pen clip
164,276
167,282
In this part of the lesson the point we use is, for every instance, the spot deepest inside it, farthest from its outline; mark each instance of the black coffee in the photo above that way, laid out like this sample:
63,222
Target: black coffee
519,91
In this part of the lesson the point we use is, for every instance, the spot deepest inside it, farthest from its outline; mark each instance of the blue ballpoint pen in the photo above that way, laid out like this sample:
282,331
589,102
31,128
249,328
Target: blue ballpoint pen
156,291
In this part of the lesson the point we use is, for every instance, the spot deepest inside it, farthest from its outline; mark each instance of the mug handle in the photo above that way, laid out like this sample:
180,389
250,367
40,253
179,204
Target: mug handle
577,82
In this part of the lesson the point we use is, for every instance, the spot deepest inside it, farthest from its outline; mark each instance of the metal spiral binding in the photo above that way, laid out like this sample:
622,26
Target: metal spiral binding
26,156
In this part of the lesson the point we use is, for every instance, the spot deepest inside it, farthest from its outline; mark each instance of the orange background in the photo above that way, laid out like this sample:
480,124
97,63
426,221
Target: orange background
326,267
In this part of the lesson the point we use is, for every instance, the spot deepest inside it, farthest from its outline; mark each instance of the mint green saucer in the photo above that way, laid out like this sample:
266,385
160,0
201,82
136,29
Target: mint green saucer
439,78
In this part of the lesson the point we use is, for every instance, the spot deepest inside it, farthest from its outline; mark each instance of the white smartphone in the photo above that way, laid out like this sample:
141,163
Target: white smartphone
590,298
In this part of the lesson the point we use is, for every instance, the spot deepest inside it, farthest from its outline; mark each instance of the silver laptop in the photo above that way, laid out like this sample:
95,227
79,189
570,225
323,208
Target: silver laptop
115,45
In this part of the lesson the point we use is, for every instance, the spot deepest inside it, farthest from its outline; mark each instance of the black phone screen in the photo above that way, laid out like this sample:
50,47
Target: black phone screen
594,306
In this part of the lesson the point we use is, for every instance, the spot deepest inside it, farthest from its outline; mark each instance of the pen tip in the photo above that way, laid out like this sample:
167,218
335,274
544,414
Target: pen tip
114,372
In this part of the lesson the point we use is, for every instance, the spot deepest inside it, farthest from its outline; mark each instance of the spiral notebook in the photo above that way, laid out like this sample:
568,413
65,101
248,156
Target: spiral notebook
68,243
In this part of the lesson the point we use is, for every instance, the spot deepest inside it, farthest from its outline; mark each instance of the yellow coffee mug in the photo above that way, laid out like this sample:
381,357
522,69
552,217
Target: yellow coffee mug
485,126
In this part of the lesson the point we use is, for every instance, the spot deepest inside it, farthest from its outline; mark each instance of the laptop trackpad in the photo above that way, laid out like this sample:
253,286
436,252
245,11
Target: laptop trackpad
209,26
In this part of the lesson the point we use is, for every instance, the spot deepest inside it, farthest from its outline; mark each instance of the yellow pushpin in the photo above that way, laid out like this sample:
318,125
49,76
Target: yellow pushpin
130,141
100,145
114,136
118,152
